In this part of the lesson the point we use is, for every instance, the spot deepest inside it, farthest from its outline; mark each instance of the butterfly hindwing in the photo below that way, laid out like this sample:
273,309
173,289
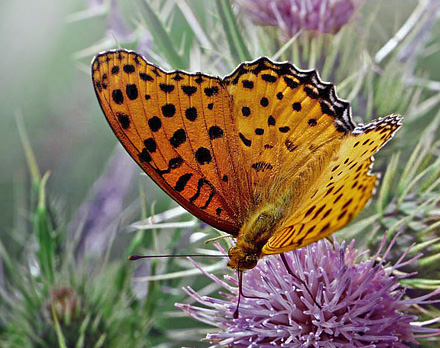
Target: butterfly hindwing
340,192
177,127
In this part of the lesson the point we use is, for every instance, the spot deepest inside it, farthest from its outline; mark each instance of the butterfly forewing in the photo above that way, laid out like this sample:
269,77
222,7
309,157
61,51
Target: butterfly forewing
339,193
177,127
285,120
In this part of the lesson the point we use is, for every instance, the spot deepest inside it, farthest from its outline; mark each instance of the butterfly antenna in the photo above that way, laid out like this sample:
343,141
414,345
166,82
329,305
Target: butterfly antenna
283,257
223,236
137,257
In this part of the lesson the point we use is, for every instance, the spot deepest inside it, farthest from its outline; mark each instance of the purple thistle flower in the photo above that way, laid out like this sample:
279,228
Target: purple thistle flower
358,303
291,16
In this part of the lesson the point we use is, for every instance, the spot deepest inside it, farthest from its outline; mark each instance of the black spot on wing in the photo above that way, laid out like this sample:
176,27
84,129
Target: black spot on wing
289,82
290,146
318,212
129,68
200,184
175,162
150,145
246,111
168,110
326,109
177,77
308,212
347,203
178,138
296,106
210,91
215,132
132,91
269,78
327,213
154,123
199,79
191,113
264,102
248,84
145,77
203,155
271,121
245,141
144,156
311,92
189,90
166,88
156,72
124,120
262,166
117,96
342,215
337,198
182,181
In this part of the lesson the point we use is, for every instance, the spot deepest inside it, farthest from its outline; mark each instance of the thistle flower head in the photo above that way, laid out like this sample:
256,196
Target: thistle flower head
291,16
358,303
64,301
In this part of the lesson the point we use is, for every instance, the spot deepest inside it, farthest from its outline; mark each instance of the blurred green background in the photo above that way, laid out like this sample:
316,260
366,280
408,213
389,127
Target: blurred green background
43,81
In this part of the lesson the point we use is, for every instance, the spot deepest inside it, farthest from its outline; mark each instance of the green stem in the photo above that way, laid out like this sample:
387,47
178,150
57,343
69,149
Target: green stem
236,43
162,38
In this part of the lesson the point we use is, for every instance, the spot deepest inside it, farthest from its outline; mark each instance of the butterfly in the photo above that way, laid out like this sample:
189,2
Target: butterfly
268,154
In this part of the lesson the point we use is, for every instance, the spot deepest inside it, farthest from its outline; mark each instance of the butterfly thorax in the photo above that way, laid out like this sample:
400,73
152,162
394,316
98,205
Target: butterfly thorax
253,235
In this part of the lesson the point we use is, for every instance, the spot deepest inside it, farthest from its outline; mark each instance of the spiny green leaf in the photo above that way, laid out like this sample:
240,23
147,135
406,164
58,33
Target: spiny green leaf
236,42
162,38
30,155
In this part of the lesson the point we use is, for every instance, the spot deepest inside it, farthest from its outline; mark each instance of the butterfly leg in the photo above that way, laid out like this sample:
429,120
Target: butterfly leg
330,239
240,295
283,257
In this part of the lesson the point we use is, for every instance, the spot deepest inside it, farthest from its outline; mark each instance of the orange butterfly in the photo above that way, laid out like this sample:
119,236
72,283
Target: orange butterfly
268,154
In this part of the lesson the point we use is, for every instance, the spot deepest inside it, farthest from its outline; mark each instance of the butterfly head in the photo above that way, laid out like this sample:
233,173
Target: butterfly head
241,260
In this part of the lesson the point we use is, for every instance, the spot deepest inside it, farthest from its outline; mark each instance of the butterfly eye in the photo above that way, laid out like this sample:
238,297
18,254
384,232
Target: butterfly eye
250,261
